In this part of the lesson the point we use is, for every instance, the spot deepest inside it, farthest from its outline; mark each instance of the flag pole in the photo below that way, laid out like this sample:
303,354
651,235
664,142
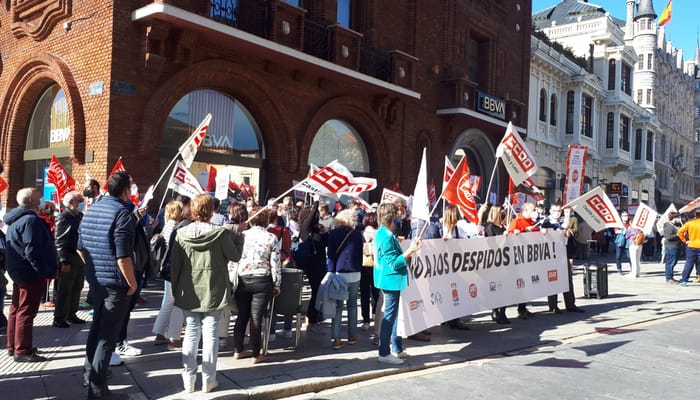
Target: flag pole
165,194
262,208
425,227
493,173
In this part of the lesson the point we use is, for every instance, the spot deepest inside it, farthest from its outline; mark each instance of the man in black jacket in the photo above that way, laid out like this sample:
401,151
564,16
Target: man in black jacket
673,245
30,259
71,274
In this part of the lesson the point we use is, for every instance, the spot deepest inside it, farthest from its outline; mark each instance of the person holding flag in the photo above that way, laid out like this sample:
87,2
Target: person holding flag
524,222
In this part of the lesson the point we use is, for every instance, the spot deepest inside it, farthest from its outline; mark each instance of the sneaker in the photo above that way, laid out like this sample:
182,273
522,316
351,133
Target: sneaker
29,358
242,354
401,355
365,326
287,334
671,281
210,386
259,359
115,360
84,305
390,359
160,339
126,350
352,340
175,345
337,344
682,283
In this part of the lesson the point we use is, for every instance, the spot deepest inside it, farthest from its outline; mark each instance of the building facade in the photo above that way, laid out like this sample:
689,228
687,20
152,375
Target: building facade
288,83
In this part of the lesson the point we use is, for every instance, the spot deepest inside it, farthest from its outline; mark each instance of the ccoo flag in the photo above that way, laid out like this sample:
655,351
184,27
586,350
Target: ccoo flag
189,149
597,210
644,219
516,156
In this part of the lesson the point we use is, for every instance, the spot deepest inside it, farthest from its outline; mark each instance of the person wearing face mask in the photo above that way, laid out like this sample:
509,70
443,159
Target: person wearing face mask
92,192
673,245
524,222
621,242
568,223
71,274
30,258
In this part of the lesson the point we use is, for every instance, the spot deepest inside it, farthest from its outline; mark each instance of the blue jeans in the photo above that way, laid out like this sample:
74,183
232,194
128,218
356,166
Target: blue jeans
692,256
620,253
353,288
200,325
387,333
671,259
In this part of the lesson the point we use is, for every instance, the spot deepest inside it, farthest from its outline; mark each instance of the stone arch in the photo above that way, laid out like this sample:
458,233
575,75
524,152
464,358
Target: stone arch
483,154
32,76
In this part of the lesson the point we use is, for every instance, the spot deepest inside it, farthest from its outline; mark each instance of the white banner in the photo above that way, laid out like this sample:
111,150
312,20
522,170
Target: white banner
644,219
189,149
420,206
665,218
223,177
575,171
453,278
516,156
690,206
335,178
388,196
597,210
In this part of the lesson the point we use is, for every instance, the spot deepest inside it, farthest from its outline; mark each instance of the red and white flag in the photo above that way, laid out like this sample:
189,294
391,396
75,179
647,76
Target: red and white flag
665,217
388,196
597,210
516,156
211,179
335,178
644,219
3,185
432,195
189,149
118,166
183,182
575,171
447,174
58,175
690,206
459,191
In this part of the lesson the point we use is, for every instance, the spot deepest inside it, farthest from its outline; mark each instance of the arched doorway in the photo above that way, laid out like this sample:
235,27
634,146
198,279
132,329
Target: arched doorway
481,158
233,138
49,133
545,180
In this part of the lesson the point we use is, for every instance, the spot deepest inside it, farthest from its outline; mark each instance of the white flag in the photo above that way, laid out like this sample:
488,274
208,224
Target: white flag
148,196
183,182
335,178
644,218
421,205
575,171
597,210
516,156
188,150
665,217
223,177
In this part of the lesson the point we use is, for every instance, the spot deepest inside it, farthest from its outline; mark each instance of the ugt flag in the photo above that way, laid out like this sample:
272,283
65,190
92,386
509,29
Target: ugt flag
516,156
58,175
597,210
459,192
189,149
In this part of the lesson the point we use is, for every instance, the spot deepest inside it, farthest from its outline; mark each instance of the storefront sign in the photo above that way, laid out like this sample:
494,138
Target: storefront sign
125,88
96,88
615,187
491,105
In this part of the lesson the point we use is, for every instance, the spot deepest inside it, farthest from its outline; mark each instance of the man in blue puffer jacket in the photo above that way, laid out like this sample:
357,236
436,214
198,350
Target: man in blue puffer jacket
30,258
106,244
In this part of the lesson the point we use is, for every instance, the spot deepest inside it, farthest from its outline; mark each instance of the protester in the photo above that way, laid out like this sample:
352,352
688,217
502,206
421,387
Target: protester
71,276
30,258
168,323
345,260
325,218
106,245
621,242
391,276
369,294
496,226
672,246
524,222
201,287
452,230
259,279
311,257
635,238
570,225
689,234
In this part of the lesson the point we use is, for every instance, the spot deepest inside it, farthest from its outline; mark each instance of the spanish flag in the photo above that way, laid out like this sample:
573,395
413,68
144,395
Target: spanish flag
665,16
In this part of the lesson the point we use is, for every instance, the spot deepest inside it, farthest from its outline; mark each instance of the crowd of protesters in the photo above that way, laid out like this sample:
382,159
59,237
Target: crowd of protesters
210,257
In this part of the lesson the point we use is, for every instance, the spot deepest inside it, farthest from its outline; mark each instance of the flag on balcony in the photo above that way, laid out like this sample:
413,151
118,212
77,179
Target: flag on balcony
665,16
60,178
189,149
459,192
597,210
516,156
575,171
644,219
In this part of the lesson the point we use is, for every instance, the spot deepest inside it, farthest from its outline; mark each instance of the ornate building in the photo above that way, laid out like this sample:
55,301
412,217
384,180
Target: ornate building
288,83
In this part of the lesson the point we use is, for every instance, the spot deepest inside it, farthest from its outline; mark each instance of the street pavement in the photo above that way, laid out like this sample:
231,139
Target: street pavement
315,366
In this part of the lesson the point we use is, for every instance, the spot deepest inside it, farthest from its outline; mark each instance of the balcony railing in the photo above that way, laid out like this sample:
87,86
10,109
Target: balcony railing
257,18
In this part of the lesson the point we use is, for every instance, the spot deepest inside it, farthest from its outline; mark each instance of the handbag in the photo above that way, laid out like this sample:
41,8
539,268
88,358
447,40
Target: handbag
368,254
233,278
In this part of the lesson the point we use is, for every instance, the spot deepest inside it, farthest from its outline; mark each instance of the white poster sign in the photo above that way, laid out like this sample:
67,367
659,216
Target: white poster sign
452,278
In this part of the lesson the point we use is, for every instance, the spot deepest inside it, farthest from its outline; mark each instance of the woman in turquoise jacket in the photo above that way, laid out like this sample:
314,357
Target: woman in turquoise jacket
391,276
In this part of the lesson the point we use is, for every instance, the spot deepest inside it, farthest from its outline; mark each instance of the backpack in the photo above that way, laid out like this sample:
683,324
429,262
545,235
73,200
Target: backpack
158,248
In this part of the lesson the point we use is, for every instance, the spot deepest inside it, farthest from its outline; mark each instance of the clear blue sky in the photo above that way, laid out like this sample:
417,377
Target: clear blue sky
682,31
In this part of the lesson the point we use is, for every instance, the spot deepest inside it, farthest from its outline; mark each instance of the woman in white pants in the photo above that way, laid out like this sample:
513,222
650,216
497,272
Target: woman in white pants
635,250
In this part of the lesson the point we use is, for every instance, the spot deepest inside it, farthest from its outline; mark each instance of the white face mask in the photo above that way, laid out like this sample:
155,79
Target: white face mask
555,214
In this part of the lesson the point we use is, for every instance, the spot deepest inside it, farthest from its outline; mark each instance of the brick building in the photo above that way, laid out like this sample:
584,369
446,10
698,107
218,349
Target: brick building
288,83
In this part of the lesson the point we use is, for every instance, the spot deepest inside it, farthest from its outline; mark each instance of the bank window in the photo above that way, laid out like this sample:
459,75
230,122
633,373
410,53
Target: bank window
649,96
611,74
638,144
543,105
478,59
338,140
610,131
587,116
553,111
626,79
233,138
49,133
650,146
570,112
624,133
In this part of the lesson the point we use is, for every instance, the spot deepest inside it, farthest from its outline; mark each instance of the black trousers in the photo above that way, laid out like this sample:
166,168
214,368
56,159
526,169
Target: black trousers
111,306
252,297
368,293
69,284
569,298
315,275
